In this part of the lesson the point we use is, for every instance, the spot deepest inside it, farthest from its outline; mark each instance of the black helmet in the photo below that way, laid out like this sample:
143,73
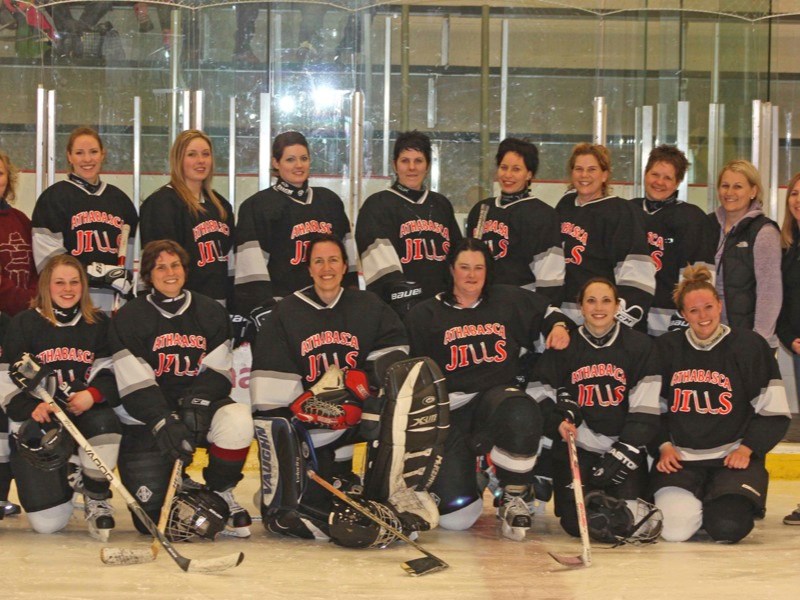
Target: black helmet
351,529
196,513
611,521
46,446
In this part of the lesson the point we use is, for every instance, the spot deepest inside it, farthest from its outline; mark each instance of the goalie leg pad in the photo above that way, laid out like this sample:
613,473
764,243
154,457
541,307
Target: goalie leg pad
405,460
280,455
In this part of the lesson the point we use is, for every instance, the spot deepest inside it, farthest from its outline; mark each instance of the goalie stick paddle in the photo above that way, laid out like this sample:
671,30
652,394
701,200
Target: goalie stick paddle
130,556
30,366
416,567
122,253
585,558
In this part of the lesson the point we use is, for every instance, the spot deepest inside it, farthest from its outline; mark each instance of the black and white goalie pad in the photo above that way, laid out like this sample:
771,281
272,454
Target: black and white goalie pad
405,459
611,520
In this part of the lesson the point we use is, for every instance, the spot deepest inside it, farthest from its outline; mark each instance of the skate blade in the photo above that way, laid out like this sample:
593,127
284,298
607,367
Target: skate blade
101,535
423,566
236,532
516,534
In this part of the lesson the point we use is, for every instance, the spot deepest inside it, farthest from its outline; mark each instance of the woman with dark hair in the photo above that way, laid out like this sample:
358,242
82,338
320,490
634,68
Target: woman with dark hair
475,332
522,232
604,236
276,226
84,217
172,361
322,328
604,389
748,258
69,336
404,233
676,232
189,211
724,409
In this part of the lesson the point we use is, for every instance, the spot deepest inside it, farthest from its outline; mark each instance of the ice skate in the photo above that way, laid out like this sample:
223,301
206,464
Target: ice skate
8,509
239,521
99,518
515,517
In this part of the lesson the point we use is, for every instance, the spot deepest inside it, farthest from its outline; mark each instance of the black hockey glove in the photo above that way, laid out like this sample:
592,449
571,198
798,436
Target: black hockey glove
28,374
567,408
629,316
403,295
243,330
173,438
259,313
112,277
677,323
615,466
196,414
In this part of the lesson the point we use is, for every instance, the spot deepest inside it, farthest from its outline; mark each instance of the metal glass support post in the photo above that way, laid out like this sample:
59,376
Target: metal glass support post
137,151
716,123
599,120
485,181
186,121
431,120
387,90
41,140
174,72
646,143
232,152
198,110
756,124
366,51
264,141
683,144
51,137
436,166
356,152
504,80
405,76
774,181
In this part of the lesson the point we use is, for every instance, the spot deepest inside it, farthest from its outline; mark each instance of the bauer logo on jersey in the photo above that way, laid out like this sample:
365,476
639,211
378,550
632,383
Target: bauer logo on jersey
424,239
406,294
483,343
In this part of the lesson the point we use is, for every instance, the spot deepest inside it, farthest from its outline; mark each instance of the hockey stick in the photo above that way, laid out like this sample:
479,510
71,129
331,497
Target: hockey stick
30,367
585,558
416,567
122,253
127,556
481,221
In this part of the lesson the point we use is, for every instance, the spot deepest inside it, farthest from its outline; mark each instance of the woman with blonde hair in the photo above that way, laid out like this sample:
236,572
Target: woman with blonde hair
723,409
67,334
84,217
604,236
748,257
189,211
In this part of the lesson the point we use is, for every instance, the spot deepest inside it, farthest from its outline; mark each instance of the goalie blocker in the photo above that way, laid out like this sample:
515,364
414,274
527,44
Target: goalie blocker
403,463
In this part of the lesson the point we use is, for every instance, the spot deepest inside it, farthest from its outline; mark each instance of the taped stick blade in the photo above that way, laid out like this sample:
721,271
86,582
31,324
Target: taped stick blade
126,556
570,561
423,566
214,565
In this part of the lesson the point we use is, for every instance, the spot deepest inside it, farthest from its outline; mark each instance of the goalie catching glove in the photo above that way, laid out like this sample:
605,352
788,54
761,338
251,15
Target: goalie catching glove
113,277
615,466
335,401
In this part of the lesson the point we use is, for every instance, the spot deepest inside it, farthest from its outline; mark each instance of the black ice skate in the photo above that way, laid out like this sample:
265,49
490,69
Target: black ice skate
239,521
512,510
99,517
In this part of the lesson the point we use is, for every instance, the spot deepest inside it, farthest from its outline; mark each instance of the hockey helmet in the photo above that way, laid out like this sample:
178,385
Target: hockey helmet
351,529
196,514
47,446
611,521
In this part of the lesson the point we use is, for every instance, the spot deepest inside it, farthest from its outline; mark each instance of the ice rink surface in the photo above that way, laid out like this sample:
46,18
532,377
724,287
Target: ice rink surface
482,565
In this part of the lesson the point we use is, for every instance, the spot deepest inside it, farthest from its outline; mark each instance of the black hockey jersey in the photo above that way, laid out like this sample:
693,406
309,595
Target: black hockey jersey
76,351
68,219
524,236
617,386
606,238
161,357
272,237
208,239
716,398
479,347
400,239
678,235
302,337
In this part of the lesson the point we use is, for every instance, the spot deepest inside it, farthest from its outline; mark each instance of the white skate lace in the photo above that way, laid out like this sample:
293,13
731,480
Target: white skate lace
97,508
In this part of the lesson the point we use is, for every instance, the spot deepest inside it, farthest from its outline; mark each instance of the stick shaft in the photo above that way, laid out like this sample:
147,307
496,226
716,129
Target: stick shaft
174,484
481,221
577,488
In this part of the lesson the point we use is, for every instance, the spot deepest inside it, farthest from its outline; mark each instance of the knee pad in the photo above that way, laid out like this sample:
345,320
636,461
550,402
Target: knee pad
51,519
729,518
144,471
231,427
462,518
683,513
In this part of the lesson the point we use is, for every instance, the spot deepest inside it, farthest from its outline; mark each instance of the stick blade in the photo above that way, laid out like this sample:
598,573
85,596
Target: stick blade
570,561
424,565
126,556
215,565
